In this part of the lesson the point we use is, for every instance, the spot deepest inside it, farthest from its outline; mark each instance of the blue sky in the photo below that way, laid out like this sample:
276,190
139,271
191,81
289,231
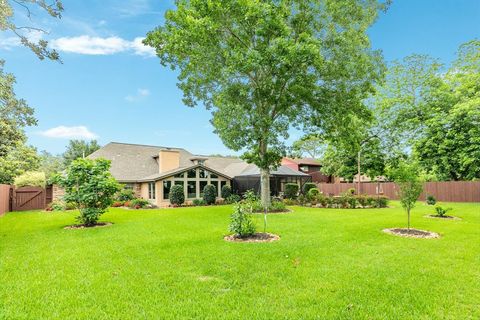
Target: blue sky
112,88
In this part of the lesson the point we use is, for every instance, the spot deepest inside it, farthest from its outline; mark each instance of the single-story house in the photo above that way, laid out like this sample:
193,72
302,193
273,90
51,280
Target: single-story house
152,170
309,166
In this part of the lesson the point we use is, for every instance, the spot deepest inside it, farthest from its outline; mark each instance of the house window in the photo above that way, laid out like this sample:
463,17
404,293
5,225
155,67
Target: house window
151,190
213,176
202,162
222,183
128,186
303,168
180,175
166,189
191,189
192,173
203,173
202,185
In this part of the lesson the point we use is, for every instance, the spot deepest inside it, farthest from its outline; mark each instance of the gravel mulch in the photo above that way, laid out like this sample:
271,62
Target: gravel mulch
412,233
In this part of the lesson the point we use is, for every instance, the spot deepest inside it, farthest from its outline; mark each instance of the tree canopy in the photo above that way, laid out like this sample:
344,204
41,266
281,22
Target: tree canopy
8,10
79,149
264,66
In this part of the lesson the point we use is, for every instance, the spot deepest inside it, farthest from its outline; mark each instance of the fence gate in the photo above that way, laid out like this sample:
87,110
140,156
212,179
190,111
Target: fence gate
28,198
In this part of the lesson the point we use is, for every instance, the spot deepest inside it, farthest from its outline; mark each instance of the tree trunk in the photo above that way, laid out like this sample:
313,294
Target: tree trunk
408,223
359,185
265,187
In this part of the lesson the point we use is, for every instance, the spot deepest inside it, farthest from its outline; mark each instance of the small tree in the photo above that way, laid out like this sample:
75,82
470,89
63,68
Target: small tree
241,223
291,190
176,195
209,194
226,191
90,185
410,187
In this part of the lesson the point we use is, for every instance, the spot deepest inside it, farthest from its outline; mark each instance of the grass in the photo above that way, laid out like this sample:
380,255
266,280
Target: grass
173,263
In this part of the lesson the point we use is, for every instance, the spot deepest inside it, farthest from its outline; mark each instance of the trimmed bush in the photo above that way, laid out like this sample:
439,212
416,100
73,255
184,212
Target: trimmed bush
139,203
226,191
277,206
308,186
198,202
291,190
125,195
290,202
209,194
176,195
381,202
233,198
241,223
31,178
431,200
313,194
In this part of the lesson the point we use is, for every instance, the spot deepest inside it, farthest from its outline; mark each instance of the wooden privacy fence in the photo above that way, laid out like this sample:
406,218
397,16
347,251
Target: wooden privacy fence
452,191
25,198
4,198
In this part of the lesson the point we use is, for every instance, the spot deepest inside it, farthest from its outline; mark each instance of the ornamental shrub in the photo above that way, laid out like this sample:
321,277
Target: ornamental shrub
233,198
431,200
277,206
176,195
90,185
209,194
125,195
307,186
352,201
313,194
362,200
31,178
226,191
56,205
381,202
241,222
291,190
198,202
139,203
441,212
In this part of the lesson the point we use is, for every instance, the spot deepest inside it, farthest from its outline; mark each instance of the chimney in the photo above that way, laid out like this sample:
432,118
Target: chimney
168,160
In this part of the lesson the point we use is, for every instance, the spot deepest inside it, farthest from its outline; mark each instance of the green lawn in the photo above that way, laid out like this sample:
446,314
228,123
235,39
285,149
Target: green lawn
173,263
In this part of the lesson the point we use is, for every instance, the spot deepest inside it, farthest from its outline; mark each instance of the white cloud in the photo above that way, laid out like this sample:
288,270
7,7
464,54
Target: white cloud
140,49
76,132
89,45
7,43
141,93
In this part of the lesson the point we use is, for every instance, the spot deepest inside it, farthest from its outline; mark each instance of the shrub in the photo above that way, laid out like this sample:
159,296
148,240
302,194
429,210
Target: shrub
31,178
209,194
117,204
127,204
56,205
125,195
352,201
301,200
313,194
350,191
381,202
233,198
198,202
290,202
441,212
226,191
341,201
176,195
371,201
362,200
291,190
70,206
241,223
277,206
139,203
431,200
89,184
308,186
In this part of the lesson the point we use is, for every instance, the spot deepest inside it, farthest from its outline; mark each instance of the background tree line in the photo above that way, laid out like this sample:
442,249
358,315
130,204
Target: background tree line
423,112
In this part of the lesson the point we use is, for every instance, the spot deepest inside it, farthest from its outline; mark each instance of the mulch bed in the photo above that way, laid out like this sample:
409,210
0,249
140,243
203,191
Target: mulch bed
82,226
412,233
434,216
257,237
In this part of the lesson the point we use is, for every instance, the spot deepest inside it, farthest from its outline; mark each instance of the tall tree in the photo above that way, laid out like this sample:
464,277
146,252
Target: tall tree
79,149
18,160
8,10
263,66
50,164
450,146
15,114
312,145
